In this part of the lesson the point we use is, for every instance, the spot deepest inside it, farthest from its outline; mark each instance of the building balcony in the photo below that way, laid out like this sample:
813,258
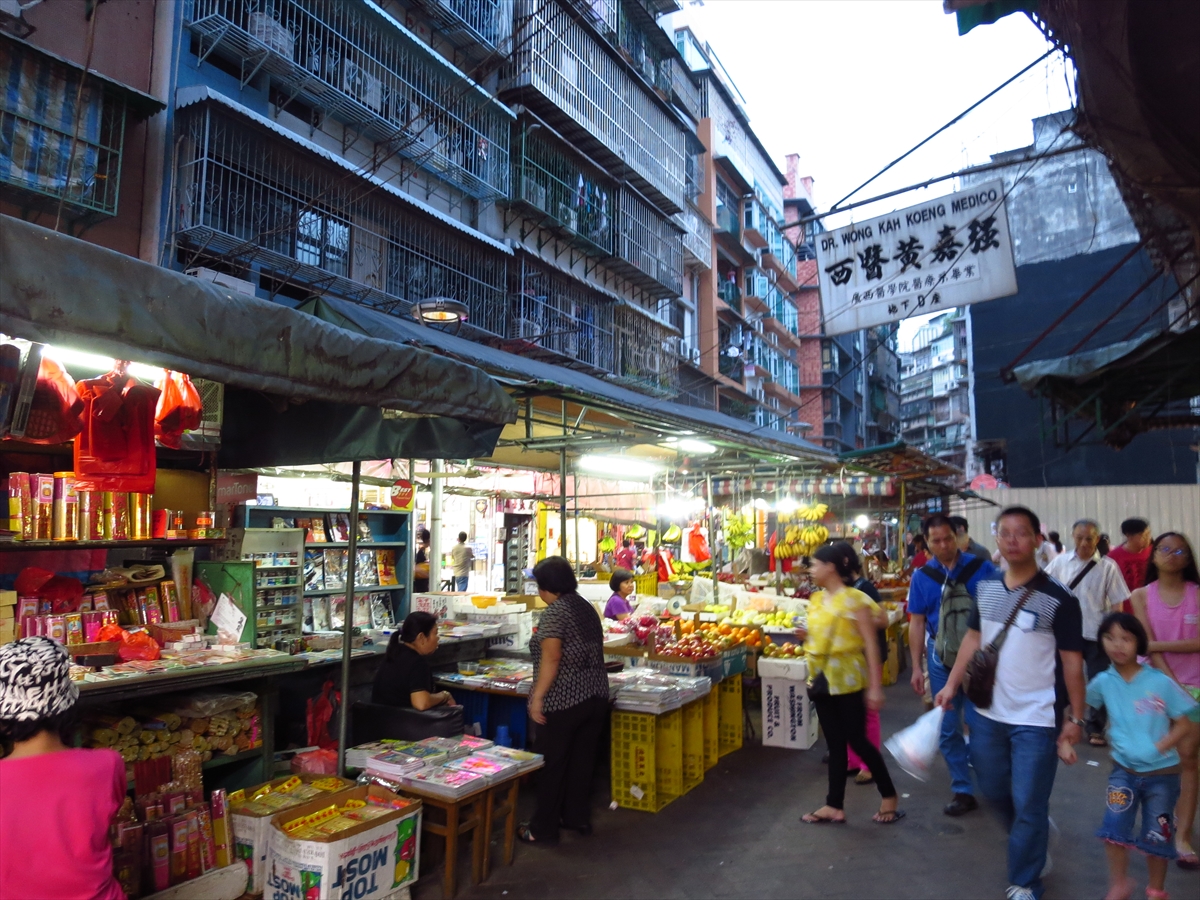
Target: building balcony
728,224
755,222
478,29
685,92
361,67
697,237
647,358
649,247
757,292
246,196
577,84
729,293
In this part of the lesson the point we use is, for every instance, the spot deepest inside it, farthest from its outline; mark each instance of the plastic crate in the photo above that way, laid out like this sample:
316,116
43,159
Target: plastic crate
668,755
475,709
634,766
510,711
693,744
730,721
712,715
646,585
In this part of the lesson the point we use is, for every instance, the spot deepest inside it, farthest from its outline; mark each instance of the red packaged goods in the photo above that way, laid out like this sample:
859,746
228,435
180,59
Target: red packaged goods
115,450
54,415
179,409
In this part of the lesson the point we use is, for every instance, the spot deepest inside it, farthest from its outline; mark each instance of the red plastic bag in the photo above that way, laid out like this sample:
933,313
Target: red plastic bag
698,545
30,580
179,409
138,645
322,717
54,414
112,633
64,593
115,450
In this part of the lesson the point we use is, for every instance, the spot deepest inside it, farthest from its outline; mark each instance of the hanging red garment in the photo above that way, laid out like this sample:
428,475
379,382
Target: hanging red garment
115,450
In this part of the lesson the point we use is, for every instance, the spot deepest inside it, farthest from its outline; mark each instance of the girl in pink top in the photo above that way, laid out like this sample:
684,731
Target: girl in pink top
56,804
1169,609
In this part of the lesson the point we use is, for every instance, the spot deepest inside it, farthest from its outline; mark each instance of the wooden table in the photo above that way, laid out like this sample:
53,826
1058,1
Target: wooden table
459,816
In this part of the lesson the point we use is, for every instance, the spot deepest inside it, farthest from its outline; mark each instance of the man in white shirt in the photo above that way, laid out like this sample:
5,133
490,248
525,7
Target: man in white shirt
461,557
1098,583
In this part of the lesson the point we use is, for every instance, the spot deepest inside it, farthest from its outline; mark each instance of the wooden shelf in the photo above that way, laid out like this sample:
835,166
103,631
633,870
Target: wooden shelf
359,589
361,545
26,546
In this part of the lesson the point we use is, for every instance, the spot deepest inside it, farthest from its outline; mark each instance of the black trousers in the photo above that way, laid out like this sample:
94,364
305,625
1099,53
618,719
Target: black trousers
843,718
569,741
1095,661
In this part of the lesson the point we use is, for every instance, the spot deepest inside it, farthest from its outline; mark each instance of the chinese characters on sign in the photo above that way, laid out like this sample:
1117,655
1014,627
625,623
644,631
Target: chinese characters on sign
947,252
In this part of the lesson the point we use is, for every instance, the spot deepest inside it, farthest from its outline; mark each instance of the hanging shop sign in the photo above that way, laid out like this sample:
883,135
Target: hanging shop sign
832,485
403,495
948,252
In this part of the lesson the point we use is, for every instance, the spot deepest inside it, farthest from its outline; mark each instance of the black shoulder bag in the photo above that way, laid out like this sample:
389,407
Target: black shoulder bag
981,670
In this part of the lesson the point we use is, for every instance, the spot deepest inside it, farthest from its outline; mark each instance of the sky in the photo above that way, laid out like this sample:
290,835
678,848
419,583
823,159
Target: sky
852,84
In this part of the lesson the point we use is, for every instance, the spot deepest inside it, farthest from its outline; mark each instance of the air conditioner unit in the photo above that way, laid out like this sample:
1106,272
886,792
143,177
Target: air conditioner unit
272,33
361,85
696,355
759,393
526,329
238,285
533,193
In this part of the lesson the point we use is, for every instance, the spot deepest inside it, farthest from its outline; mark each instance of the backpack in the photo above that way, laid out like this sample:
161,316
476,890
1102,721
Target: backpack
954,611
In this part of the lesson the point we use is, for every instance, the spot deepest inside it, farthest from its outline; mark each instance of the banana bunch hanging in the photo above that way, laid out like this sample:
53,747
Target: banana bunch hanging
801,539
814,513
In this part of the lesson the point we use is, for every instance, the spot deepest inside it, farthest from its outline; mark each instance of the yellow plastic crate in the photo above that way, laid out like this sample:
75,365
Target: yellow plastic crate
646,585
693,744
634,766
668,755
712,716
730,716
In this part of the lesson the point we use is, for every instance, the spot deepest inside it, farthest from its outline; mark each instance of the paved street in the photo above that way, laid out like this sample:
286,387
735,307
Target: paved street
738,835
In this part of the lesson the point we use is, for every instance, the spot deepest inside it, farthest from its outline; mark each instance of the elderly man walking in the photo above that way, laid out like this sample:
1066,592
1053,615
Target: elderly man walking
1100,587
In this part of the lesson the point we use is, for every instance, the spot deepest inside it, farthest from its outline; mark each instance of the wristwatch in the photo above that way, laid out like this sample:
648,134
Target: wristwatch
1074,721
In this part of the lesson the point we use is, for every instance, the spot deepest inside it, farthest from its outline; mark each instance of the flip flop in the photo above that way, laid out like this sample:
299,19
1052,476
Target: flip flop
1186,857
895,815
525,836
814,819
864,777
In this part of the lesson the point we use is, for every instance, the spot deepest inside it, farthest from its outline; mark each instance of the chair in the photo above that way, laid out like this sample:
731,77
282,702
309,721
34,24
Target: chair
377,721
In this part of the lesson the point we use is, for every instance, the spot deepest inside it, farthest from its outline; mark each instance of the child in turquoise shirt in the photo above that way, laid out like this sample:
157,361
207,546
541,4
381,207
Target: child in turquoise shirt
1147,717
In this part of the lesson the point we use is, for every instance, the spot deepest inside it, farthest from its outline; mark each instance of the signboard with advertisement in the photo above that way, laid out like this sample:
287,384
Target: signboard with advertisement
947,252
403,495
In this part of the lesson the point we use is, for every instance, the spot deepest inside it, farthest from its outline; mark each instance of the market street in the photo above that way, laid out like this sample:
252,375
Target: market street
738,835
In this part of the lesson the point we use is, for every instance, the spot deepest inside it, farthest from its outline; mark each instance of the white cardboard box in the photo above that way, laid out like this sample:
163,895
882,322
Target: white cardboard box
373,861
788,717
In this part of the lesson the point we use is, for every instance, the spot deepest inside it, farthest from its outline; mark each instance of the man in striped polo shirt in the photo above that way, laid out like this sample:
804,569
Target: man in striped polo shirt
1040,673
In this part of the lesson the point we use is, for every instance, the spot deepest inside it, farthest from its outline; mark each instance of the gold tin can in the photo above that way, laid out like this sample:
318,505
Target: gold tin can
65,526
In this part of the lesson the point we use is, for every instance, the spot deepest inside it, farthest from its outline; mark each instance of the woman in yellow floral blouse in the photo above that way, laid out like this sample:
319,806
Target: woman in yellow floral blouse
842,645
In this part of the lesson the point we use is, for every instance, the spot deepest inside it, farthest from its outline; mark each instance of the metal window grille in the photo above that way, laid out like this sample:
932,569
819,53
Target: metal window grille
51,147
649,242
244,194
559,314
557,57
728,210
344,58
638,45
646,361
697,237
478,28
687,95
576,197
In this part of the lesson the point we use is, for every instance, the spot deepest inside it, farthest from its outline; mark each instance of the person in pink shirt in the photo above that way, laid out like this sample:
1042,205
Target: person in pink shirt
1169,609
56,803
625,556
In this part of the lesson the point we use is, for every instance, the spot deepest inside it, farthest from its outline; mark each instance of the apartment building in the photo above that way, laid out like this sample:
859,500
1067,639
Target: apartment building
935,400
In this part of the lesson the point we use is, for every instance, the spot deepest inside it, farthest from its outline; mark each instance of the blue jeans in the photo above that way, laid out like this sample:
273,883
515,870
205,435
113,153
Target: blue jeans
460,582
953,747
1016,765
1156,795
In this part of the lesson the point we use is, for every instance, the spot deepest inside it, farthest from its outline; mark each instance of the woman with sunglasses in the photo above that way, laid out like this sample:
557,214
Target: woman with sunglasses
1169,609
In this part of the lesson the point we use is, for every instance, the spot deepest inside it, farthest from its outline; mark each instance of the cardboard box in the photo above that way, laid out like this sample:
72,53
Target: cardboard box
8,599
251,830
788,717
369,861
635,657
437,605
528,601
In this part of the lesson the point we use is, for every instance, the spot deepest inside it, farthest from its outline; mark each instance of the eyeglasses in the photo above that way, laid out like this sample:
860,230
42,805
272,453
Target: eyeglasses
1179,551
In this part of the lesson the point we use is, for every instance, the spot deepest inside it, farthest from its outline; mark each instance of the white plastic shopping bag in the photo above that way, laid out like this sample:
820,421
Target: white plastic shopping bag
916,747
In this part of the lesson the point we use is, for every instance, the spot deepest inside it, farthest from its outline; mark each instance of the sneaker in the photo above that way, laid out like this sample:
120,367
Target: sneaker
961,805
1016,892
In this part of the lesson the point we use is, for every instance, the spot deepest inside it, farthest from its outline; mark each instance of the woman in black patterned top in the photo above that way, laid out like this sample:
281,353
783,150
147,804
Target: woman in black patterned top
569,701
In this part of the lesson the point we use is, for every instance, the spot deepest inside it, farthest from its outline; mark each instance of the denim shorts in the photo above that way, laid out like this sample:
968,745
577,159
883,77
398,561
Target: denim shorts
1156,795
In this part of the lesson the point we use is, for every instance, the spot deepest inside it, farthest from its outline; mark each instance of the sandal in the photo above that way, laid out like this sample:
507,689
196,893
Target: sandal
1155,894
813,819
864,777
888,816
525,836
1185,856
1097,740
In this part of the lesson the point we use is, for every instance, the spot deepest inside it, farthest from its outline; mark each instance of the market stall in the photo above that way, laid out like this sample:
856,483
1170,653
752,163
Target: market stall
104,540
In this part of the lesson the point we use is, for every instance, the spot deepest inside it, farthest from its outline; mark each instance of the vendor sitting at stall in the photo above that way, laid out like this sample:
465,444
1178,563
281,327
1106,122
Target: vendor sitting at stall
405,679
56,803
622,585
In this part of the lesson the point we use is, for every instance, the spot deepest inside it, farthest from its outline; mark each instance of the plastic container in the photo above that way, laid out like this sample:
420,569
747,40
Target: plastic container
730,722
693,744
712,716
668,755
634,762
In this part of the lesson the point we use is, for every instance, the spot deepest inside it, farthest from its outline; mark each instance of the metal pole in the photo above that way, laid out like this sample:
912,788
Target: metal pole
712,539
903,524
435,527
778,538
562,489
348,620
575,509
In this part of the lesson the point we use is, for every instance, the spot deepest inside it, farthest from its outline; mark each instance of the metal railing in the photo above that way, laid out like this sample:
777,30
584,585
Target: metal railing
242,193
357,64
478,28
559,314
731,294
728,221
686,93
49,145
697,236
784,310
646,362
649,242
558,58
568,192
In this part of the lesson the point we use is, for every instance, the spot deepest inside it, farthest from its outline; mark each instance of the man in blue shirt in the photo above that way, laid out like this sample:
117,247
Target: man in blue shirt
930,585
